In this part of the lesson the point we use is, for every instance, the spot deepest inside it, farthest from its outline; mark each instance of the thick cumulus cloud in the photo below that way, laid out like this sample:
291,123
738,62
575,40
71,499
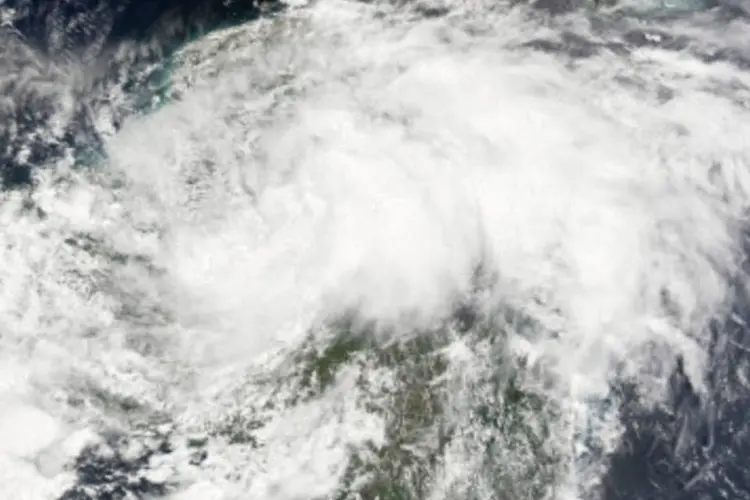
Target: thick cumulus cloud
402,157
335,160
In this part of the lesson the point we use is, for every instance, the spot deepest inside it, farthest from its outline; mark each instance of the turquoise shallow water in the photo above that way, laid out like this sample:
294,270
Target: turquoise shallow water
359,250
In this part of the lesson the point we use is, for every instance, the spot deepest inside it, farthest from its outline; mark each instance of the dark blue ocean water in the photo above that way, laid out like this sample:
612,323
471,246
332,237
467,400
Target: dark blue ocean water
696,447
117,39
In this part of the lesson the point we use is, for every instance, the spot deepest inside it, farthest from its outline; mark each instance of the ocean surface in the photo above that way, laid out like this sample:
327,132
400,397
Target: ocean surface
394,250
